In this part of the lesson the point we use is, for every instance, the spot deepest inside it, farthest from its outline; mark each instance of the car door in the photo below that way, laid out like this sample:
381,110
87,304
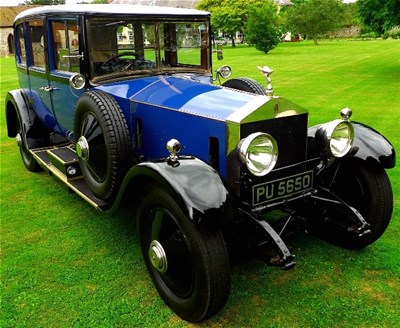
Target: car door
39,89
65,61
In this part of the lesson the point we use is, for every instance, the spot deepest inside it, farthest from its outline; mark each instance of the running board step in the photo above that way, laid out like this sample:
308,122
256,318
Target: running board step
62,162
66,161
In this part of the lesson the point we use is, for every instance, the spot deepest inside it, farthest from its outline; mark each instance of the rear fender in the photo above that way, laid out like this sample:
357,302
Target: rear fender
18,108
195,184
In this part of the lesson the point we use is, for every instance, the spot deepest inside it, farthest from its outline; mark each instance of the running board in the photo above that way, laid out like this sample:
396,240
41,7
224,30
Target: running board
62,162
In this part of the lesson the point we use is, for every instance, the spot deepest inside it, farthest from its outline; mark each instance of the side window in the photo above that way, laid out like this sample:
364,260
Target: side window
184,44
65,45
20,49
36,30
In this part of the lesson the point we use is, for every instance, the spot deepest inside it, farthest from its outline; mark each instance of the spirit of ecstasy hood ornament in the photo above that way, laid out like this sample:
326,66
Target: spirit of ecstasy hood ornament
267,71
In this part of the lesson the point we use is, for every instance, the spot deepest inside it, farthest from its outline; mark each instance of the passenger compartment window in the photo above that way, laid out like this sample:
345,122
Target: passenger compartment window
65,36
36,33
21,49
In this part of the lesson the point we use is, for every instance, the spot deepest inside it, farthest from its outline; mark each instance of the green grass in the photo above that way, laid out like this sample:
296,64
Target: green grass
65,265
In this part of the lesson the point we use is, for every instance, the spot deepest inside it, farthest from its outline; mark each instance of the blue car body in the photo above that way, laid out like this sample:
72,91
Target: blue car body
119,103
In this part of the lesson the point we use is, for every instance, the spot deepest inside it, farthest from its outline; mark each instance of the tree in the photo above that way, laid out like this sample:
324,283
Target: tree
315,17
379,16
228,21
228,16
262,27
44,2
96,2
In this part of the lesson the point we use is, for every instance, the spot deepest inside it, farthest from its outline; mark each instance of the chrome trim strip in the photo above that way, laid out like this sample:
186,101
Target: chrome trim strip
248,108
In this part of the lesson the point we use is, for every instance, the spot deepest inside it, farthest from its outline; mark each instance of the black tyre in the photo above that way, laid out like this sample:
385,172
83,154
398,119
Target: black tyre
366,188
103,143
27,158
245,84
188,264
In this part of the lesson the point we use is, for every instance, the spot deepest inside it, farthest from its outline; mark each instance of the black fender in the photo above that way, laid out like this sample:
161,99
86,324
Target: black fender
17,107
197,186
369,145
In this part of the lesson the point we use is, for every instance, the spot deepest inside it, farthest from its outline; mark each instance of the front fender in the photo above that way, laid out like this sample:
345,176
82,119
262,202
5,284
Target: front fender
369,145
196,185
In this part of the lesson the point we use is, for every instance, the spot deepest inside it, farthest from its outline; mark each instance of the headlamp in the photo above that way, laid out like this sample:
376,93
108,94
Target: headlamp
259,152
336,137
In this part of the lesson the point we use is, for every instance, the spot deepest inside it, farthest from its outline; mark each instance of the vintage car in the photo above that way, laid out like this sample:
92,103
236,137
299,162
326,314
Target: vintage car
120,103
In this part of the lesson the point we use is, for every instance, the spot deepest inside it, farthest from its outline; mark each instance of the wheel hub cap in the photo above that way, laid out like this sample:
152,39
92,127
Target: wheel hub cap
82,148
18,138
158,257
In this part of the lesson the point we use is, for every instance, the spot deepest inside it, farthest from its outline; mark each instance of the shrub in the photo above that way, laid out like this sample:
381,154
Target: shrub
394,33
262,28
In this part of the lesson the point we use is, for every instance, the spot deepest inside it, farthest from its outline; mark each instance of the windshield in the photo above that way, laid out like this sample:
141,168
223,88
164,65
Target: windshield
120,46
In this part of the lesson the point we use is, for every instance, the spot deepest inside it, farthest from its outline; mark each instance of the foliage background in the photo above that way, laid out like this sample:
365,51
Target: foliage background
312,19
262,29
63,264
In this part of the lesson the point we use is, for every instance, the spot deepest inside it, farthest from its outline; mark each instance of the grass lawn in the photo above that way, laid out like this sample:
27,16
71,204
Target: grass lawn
63,264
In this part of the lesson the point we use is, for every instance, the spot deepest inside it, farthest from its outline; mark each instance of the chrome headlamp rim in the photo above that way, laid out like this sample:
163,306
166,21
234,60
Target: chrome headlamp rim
258,163
336,137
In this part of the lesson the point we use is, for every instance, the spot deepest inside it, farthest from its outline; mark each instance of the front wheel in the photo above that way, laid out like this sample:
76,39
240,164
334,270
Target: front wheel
367,189
188,263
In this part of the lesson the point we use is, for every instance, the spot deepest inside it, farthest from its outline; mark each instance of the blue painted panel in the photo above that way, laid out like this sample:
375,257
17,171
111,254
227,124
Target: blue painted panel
181,94
41,99
159,125
64,99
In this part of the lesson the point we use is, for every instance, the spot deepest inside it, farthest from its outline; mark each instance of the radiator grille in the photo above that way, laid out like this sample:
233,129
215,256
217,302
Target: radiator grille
289,132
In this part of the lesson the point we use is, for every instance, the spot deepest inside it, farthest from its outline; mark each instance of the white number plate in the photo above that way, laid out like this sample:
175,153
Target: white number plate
282,188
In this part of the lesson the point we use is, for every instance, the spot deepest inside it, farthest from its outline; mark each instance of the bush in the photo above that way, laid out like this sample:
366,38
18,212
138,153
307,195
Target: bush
394,33
262,28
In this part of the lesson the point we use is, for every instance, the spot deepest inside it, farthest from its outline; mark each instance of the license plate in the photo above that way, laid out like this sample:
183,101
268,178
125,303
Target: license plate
282,188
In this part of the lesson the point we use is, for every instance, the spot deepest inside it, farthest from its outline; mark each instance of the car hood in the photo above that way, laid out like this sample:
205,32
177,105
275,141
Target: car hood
184,94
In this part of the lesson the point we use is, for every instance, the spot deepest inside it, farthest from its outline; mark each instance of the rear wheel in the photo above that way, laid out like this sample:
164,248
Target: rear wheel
367,189
245,84
188,263
102,143
27,157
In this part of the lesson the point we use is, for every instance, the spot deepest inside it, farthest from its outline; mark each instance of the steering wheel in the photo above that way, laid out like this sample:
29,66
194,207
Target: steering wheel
113,58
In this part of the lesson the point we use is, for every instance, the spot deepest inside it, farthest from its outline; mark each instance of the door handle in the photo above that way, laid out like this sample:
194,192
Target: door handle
48,88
